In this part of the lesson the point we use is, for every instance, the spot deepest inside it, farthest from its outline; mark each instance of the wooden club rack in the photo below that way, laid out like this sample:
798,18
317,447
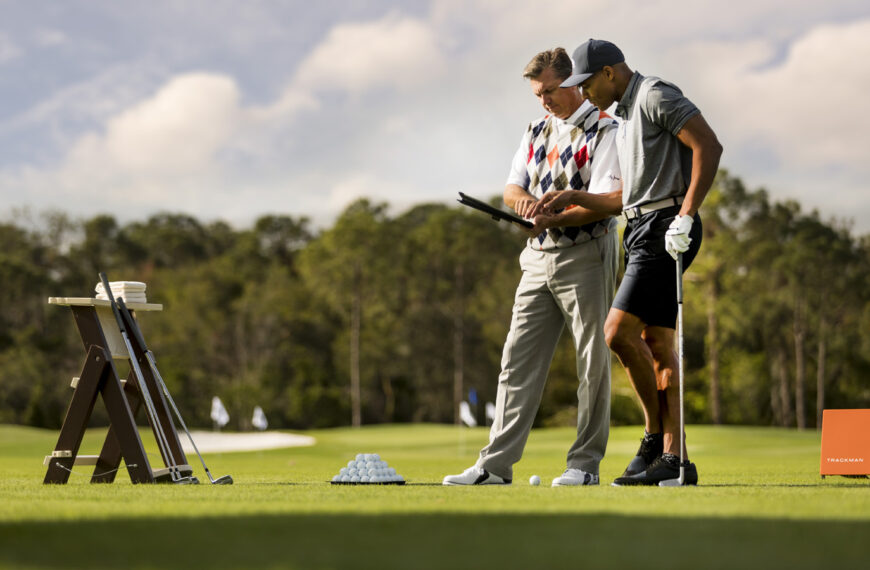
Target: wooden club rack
99,378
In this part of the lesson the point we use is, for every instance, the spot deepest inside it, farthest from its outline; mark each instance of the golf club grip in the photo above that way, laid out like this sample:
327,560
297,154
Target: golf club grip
108,291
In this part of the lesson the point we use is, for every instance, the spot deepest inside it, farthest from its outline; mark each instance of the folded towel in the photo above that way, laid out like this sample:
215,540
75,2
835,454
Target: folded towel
130,291
132,286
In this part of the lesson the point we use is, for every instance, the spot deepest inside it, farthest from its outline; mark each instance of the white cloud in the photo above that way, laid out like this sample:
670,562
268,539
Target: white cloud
176,131
394,52
815,103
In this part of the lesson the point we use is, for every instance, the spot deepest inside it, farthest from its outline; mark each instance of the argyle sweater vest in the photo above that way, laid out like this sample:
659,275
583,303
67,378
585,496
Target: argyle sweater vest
561,158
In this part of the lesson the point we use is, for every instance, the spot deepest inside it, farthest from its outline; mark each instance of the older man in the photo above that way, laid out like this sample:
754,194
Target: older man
669,156
569,268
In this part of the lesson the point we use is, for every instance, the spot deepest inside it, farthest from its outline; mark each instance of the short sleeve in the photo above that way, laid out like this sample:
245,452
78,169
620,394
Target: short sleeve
519,174
667,107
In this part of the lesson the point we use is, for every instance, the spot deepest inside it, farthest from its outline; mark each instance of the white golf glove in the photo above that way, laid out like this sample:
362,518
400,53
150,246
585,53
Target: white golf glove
677,238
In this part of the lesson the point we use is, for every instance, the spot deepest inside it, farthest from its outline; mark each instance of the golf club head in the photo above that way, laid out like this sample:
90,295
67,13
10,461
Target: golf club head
225,480
187,481
671,483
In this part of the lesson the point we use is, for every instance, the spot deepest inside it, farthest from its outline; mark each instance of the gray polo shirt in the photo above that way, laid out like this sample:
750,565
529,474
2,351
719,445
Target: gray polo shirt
655,164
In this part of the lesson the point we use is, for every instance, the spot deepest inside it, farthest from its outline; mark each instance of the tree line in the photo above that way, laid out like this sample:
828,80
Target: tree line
395,318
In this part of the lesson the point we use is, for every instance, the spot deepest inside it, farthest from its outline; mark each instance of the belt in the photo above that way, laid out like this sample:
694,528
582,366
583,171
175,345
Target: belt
632,213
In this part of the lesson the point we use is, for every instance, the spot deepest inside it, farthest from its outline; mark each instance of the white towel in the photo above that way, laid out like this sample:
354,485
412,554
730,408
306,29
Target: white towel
130,291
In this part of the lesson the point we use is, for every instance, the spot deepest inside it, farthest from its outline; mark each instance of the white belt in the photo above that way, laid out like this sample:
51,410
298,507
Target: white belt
632,213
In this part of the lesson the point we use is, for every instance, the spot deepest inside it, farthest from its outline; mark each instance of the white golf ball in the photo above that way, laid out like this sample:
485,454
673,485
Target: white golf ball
534,480
354,479
364,479
360,457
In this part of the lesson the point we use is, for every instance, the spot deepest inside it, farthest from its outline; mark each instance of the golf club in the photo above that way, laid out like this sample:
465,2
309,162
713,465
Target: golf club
134,327
162,441
681,480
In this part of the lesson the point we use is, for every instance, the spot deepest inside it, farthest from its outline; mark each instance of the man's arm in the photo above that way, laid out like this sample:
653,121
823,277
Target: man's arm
519,199
609,204
706,151
526,205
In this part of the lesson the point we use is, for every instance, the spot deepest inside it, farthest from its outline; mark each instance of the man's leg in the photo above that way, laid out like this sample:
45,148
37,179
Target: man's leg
584,289
624,334
661,343
531,342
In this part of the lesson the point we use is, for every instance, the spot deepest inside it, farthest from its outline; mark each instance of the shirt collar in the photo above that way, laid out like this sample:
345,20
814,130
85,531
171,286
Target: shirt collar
577,117
628,97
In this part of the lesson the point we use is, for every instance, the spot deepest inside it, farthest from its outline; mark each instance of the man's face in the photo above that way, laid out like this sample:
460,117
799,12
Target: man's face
598,89
560,101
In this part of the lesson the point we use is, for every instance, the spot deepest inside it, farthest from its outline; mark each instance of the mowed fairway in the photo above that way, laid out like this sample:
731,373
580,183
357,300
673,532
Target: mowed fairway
761,504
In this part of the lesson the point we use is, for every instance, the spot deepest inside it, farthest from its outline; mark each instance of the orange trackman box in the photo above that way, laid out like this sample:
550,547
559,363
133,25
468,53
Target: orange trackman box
845,442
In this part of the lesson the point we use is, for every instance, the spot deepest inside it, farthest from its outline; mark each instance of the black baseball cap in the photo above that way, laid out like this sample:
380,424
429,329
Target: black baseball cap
590,57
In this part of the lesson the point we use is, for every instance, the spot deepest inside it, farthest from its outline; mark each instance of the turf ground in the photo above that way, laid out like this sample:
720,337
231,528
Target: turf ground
761,504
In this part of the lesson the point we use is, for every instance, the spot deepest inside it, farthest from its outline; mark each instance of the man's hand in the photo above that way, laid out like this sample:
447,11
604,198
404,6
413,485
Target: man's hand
525,207
553,201
677,238
542,222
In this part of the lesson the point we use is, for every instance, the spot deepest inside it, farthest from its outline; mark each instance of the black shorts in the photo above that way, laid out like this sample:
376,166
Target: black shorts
649,288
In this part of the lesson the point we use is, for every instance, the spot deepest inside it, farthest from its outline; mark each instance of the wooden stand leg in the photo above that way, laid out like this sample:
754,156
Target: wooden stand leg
98,376
125,432
110,455
77,415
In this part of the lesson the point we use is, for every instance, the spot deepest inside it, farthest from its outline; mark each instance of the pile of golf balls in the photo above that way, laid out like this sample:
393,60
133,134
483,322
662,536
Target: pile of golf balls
368,468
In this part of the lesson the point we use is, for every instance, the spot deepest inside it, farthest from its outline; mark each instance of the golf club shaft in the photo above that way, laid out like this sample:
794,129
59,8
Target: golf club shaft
134,327
681,367
153,364
177,413
150,410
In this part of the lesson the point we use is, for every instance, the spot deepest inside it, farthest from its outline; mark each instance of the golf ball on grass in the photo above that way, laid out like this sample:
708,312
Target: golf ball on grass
534,480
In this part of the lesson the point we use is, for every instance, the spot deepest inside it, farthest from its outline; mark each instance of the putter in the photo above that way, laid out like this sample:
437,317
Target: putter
150,410
681,480
134,327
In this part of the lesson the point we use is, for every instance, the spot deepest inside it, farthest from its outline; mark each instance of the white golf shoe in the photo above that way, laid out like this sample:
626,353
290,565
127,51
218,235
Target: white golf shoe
573,477
475,475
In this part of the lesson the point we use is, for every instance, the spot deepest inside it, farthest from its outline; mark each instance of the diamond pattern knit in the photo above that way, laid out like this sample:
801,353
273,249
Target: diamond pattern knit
561,159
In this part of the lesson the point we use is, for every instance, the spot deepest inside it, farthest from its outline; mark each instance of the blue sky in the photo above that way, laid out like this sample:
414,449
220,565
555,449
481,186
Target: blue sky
230,110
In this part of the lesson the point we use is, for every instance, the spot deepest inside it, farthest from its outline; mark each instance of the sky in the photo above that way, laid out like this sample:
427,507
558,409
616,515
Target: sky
230,110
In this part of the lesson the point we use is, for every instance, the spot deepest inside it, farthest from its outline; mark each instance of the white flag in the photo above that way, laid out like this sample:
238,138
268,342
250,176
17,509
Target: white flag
219,413
490,411
465,414
259,419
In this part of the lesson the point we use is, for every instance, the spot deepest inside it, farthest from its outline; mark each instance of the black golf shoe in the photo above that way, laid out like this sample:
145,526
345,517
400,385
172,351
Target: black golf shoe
651,447
664,468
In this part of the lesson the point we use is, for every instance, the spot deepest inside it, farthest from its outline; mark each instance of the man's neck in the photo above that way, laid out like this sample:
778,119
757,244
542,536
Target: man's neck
622,81
573,111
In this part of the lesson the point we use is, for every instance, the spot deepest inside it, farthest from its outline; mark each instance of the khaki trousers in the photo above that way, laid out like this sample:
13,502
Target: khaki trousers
572,286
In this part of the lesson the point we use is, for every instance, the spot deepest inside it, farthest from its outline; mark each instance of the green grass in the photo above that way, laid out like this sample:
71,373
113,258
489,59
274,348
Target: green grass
761,504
